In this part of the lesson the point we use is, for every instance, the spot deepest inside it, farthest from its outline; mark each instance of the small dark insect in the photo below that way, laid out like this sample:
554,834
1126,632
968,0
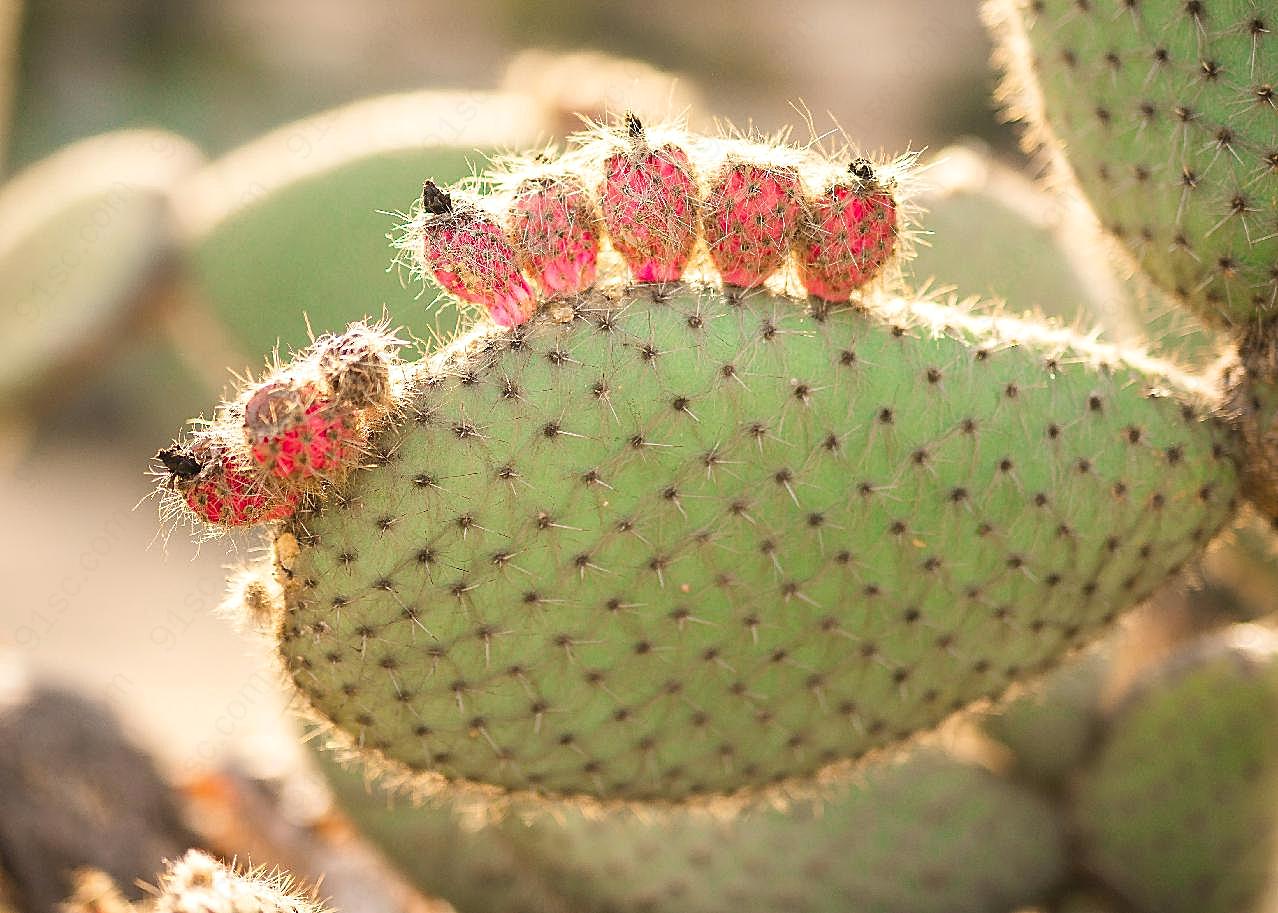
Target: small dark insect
180,462
863,170
634,126
436,202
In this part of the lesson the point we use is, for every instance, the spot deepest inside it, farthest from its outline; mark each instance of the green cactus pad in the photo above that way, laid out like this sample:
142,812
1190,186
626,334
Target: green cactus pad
928,835
293,217
1165,111
83,235
1179,810
674,544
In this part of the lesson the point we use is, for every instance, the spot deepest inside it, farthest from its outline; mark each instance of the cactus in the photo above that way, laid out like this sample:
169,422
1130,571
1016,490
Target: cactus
674,542
1163,111
1177,810
198,883
1253,397
84,237
655,551
706,510
930,833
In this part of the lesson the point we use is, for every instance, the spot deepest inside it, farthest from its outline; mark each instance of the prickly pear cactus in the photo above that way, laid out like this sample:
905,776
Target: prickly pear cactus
672,543
1178,808
927,834
1164,111
662,541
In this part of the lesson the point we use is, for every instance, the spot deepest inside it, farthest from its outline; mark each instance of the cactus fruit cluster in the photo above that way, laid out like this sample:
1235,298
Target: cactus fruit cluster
299,426
662,201
1165,113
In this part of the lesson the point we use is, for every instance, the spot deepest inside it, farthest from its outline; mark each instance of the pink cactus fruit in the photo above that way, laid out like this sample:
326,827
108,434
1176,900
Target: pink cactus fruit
555,229
356,366
469,254
295,433
218,489
649,203
847,234
749,218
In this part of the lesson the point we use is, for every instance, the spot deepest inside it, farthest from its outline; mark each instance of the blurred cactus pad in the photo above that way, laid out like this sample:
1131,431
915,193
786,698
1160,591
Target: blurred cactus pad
671,542
288,229
1051,729
929,834
83,236
1165,112
1179,808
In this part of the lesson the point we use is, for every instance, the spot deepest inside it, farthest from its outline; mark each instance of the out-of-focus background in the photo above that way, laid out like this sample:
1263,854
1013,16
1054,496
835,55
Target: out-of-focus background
220,73
91,594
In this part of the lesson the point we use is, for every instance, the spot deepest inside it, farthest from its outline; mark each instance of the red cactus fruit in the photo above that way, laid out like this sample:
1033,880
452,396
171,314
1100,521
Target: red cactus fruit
847,235
469,254
749,217
356,366
219,490
556,233
295,433
649,202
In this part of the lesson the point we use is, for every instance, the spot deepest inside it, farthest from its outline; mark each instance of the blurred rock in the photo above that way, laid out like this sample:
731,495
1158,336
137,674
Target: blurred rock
75,793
